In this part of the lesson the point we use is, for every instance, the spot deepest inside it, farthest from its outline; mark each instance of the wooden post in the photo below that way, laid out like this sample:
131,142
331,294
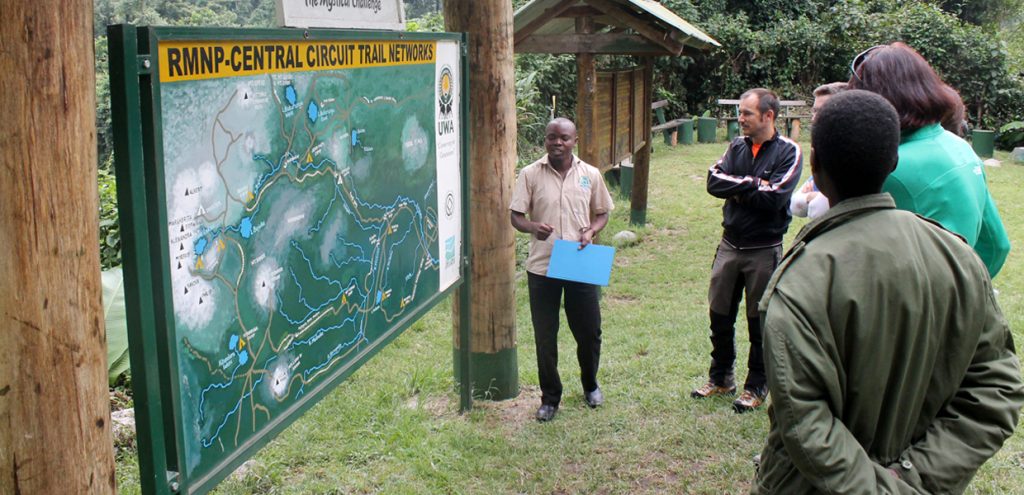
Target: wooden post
586,97
492,161
642,168
54,407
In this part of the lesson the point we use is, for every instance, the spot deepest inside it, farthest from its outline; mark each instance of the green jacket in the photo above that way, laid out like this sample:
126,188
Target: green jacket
884,348
939,176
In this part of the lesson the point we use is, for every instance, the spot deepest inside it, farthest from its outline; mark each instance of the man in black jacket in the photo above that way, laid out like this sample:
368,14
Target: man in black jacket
756,177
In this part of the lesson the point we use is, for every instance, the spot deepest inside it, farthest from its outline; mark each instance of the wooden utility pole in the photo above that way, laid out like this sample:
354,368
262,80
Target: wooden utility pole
54,408
642,166
586,96
492,163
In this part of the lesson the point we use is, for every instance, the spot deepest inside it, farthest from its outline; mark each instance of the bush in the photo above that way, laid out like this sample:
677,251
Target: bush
803,44
110,229
1011,136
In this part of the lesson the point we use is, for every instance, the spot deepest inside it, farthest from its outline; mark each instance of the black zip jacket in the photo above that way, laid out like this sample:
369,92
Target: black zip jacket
756,214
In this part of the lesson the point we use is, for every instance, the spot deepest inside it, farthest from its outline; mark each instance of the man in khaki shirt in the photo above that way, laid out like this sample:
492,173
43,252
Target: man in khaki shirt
565,198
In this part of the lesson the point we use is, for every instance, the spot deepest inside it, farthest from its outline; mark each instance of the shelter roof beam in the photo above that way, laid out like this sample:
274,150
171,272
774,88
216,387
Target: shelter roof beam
541,20
600,43
645,29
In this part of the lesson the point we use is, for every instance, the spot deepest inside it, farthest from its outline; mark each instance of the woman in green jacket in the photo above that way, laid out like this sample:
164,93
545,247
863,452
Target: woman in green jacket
938,176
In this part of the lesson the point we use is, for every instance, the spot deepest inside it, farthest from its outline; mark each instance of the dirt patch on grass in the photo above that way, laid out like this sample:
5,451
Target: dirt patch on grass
438,406
513,414
618,298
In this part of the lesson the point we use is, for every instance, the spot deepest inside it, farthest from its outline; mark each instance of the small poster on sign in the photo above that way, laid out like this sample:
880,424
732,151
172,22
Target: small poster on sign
386,15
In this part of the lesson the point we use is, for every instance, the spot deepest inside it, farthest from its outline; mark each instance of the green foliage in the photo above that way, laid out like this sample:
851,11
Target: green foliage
430,22
531,116
791,47
538,79
110,229
116,321
1011,135
104,132
421,8
982,12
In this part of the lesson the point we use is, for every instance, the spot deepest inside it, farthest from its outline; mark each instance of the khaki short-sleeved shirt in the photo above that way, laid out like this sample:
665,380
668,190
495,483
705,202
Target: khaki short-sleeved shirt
569,205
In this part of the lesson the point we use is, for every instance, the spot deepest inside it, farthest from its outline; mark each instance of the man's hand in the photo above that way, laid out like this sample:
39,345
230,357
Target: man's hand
586,236
542,230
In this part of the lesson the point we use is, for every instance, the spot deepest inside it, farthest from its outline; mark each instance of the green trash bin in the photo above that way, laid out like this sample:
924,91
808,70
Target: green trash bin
626,180
732,129
685,130
706,128
983,142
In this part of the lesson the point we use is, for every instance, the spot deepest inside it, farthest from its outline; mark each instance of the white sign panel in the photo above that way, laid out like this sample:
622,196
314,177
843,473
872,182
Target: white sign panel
449,142
353,14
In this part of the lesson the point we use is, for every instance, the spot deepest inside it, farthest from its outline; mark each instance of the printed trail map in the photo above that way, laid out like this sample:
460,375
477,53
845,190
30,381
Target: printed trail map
302,216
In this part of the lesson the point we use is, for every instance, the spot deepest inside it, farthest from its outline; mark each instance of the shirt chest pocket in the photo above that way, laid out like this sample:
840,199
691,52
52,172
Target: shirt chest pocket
576,203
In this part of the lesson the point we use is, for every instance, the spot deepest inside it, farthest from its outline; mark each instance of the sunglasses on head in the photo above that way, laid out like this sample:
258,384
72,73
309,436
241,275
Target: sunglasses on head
859,60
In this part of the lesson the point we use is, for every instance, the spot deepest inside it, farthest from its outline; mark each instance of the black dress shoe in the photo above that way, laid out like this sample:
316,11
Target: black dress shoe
546,413
595,398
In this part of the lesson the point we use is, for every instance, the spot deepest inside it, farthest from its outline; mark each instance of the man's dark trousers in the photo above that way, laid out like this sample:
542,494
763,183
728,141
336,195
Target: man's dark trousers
733,272
583,312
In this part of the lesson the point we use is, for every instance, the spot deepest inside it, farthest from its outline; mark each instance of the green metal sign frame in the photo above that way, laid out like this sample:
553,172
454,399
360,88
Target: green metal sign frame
136,115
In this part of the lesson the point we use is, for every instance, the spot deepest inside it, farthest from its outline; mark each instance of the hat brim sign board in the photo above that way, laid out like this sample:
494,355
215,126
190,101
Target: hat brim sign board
351,14
292,202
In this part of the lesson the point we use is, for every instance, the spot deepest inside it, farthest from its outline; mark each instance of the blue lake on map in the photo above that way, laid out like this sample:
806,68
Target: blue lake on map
201,245
313,111
289,94
245,227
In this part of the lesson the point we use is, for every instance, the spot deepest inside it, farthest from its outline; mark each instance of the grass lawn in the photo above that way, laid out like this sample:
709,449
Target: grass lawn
393,427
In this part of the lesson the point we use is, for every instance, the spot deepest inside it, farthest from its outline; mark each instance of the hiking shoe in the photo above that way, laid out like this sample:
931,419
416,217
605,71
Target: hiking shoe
748,401
710,390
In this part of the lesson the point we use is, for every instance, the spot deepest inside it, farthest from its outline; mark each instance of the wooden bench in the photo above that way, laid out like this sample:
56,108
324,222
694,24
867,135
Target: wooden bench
666,127
791,112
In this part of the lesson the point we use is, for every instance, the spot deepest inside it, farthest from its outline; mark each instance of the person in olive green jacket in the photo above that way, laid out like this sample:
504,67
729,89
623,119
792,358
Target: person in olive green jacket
890,366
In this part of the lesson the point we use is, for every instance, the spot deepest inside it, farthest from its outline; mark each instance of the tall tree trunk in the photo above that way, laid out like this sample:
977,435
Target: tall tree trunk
54,408
492,161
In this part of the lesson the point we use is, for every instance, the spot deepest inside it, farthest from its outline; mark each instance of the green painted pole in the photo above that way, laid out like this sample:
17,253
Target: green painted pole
155,474
464,369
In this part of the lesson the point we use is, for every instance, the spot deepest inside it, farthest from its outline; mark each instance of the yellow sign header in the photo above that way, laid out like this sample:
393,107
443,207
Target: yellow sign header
194,60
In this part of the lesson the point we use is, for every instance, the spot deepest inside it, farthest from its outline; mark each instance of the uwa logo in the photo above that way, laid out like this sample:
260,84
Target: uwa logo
445,102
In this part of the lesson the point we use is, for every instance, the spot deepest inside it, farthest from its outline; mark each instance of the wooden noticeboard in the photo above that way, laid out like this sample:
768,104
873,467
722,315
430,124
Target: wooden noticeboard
620,115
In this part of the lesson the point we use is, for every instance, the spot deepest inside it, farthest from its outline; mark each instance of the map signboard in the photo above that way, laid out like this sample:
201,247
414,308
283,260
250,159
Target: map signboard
304,203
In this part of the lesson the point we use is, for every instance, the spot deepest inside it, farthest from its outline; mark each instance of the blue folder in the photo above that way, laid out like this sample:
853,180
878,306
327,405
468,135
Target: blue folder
592,264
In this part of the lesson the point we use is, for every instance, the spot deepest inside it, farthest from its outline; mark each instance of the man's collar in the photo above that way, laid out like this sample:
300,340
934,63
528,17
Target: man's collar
544,160
841,212
775,137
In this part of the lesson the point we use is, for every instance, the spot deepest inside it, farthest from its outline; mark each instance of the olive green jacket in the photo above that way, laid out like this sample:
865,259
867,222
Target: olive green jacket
890,366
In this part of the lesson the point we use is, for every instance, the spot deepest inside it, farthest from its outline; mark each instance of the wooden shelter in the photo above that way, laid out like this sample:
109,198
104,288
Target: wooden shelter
612,108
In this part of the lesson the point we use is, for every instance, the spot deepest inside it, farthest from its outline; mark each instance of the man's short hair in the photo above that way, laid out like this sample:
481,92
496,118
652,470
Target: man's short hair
855,141
832,88
766,100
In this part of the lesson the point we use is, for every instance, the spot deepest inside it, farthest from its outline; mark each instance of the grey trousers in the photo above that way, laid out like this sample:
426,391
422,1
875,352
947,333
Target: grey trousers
734,272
